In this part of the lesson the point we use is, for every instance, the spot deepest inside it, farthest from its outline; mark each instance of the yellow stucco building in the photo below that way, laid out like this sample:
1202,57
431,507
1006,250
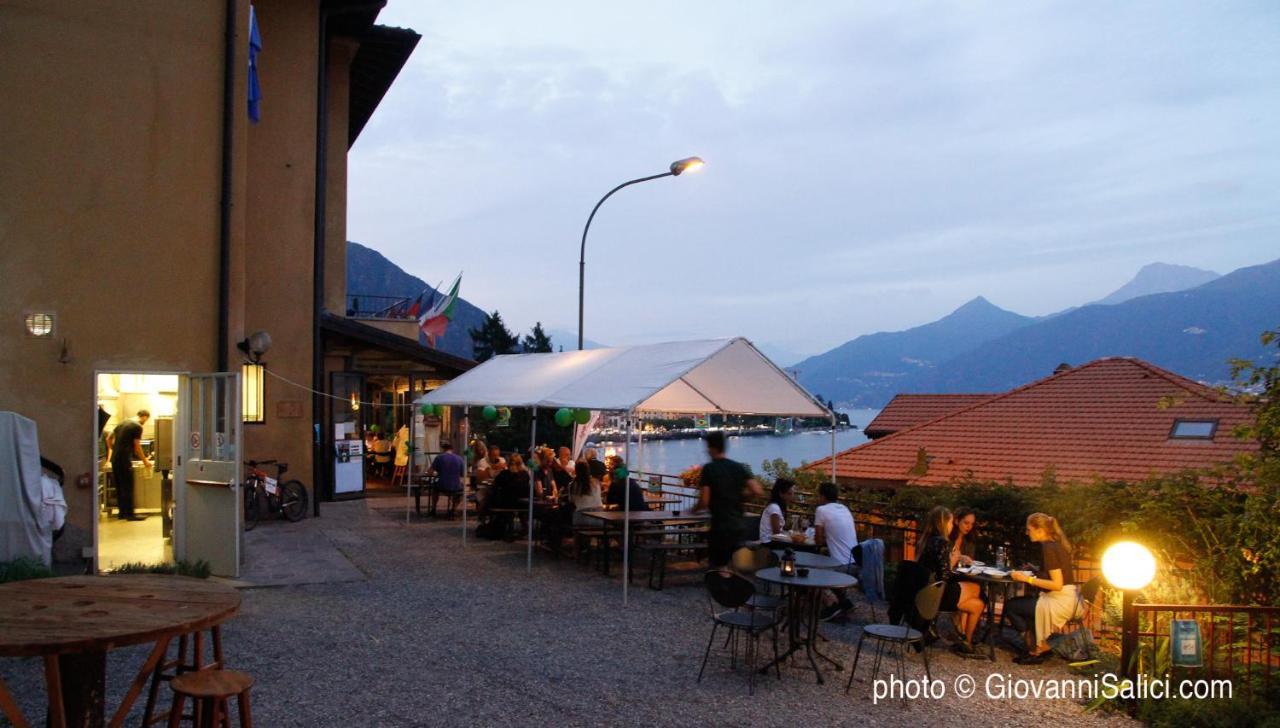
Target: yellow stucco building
147,225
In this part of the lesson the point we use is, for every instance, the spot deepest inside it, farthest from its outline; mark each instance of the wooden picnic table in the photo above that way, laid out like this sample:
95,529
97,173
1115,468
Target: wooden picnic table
72,622
615,518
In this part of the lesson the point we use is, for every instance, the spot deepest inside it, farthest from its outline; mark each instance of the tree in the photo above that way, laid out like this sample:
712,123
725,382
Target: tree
493,338
537,342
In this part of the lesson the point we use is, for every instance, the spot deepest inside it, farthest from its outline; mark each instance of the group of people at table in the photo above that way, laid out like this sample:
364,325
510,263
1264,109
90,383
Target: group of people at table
946,545
574,487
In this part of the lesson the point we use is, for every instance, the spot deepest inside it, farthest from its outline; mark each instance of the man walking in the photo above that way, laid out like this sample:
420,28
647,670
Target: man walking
125,443
725,485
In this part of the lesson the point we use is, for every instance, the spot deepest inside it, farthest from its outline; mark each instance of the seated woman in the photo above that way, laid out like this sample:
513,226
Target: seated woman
774,519
1038,615
584,492
618,480
964,549
938,559
509,486
544,485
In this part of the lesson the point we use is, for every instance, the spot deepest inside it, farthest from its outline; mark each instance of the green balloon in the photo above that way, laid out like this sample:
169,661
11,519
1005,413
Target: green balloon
373,428
582,416
427,410
620,473
489,412
564,417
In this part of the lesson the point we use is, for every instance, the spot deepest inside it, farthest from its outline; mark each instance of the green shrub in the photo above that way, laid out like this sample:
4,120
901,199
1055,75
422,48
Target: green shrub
200,569
23,569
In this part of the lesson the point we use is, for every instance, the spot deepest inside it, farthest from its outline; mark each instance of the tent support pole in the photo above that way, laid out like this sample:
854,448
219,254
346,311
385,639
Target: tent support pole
533,453
466,468
626,509
833,446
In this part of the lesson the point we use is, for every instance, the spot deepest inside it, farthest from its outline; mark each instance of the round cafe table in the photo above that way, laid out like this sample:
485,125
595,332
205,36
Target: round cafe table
802,611
73,621
809,560
991,628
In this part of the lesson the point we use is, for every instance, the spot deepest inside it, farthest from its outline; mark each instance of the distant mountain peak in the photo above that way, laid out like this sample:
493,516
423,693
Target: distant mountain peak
1155,278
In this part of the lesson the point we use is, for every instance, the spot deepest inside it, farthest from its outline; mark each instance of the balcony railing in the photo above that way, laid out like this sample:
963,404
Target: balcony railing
377,307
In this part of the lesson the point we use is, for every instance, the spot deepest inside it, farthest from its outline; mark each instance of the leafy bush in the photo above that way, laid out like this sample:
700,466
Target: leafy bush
22,569
200,569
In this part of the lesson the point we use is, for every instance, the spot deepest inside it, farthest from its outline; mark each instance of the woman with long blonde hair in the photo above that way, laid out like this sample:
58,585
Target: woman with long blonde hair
1038,615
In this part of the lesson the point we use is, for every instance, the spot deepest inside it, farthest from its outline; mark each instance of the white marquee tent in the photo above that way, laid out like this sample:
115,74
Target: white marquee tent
720,376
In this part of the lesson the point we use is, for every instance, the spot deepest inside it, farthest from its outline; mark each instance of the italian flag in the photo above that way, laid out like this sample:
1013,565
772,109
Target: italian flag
435,321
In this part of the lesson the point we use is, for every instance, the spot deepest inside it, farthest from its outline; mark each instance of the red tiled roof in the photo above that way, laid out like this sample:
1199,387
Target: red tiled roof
909,410
1110,418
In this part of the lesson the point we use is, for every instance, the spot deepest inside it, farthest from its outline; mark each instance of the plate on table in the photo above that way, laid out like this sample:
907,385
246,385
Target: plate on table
989,571
977,563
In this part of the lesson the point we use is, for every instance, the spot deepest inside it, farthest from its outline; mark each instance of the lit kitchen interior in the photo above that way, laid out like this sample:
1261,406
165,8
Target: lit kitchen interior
149,540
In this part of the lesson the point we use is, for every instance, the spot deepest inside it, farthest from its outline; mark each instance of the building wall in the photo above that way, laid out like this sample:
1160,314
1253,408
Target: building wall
341,52
280,225
109,192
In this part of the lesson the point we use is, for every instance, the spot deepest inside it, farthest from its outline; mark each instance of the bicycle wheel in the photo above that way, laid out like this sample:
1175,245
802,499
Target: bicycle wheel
293,500
252,507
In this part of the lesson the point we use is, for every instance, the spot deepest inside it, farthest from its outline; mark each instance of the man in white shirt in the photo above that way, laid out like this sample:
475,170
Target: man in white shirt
835,529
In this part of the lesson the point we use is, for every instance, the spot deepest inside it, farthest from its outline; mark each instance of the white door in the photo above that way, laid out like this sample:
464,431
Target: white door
209,507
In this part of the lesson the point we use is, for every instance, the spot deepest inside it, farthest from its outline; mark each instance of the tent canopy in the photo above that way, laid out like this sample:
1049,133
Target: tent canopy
727,376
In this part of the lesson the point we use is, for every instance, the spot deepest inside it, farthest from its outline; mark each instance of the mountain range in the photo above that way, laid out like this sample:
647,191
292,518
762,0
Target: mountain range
1193,329
1185,319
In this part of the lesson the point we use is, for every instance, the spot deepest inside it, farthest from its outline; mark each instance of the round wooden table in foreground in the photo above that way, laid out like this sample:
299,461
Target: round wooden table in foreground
73,621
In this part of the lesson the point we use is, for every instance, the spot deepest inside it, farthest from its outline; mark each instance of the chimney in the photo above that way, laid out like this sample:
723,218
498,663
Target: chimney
1063,367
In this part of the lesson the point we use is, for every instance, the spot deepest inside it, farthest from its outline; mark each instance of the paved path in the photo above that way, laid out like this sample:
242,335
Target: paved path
432,634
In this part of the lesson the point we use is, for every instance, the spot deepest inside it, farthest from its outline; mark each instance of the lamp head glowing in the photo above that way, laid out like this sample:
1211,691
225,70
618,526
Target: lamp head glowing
691,164
1128,565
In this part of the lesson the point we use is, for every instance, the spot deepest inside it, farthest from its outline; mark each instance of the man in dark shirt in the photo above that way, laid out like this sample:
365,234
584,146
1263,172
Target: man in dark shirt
616,496
725,484
125,443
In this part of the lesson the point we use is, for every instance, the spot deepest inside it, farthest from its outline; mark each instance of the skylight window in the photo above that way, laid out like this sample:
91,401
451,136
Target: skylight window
1193,430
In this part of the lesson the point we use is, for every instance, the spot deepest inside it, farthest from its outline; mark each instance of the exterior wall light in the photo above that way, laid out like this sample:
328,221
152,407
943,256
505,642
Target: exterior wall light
39,325
253,387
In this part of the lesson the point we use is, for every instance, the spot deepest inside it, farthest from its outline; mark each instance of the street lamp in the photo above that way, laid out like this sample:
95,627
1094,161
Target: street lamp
1130,567
678,167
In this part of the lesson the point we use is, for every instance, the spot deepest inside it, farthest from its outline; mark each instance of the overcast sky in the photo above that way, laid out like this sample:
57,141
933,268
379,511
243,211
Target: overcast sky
870,165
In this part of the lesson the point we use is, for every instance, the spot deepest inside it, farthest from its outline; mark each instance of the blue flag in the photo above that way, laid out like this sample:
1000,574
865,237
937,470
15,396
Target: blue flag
255,47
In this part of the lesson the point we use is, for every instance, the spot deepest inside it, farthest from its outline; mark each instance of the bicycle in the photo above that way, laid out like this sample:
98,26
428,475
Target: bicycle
264,495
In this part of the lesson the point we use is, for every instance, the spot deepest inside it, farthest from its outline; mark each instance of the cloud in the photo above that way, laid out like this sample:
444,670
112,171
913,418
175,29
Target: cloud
870,165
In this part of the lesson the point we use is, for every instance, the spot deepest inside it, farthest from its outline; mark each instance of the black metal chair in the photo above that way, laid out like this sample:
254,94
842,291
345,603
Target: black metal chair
732,592
747,560
1085,597
901,635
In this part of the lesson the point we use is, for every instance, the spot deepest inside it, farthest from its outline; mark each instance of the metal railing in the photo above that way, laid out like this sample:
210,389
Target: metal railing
385,307
1239,643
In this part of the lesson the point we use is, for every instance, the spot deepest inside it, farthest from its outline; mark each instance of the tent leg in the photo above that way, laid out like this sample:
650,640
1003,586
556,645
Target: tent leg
626,518
466,469
533,443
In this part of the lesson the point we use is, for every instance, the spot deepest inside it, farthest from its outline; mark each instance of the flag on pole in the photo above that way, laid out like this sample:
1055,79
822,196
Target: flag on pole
255,47
435,320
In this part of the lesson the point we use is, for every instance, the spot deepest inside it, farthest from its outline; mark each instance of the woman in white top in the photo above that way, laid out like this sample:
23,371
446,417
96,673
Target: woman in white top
585,492
774,519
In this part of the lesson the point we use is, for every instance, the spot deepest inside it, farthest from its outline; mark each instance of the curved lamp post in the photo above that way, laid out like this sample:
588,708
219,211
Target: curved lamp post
678,167
1130,567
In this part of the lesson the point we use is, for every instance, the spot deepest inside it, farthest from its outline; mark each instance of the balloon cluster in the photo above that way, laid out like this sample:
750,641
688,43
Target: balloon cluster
566,416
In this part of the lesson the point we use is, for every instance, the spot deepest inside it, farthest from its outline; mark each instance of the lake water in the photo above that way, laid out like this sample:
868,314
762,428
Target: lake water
673,456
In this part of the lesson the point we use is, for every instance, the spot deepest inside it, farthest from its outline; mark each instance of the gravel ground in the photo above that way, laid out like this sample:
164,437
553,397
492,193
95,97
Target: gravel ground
439,635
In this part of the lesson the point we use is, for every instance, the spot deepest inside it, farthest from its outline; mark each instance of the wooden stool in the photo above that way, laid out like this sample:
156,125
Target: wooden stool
210,690
191,658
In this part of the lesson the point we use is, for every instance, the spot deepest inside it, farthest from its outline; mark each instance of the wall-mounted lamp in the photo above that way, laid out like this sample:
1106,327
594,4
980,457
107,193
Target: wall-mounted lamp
39,325
253,389
255,346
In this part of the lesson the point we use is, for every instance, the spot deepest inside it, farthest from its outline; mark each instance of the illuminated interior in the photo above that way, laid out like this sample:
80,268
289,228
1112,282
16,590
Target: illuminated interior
149,541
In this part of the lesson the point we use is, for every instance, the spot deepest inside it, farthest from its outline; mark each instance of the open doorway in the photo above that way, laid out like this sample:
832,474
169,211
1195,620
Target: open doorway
135,444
